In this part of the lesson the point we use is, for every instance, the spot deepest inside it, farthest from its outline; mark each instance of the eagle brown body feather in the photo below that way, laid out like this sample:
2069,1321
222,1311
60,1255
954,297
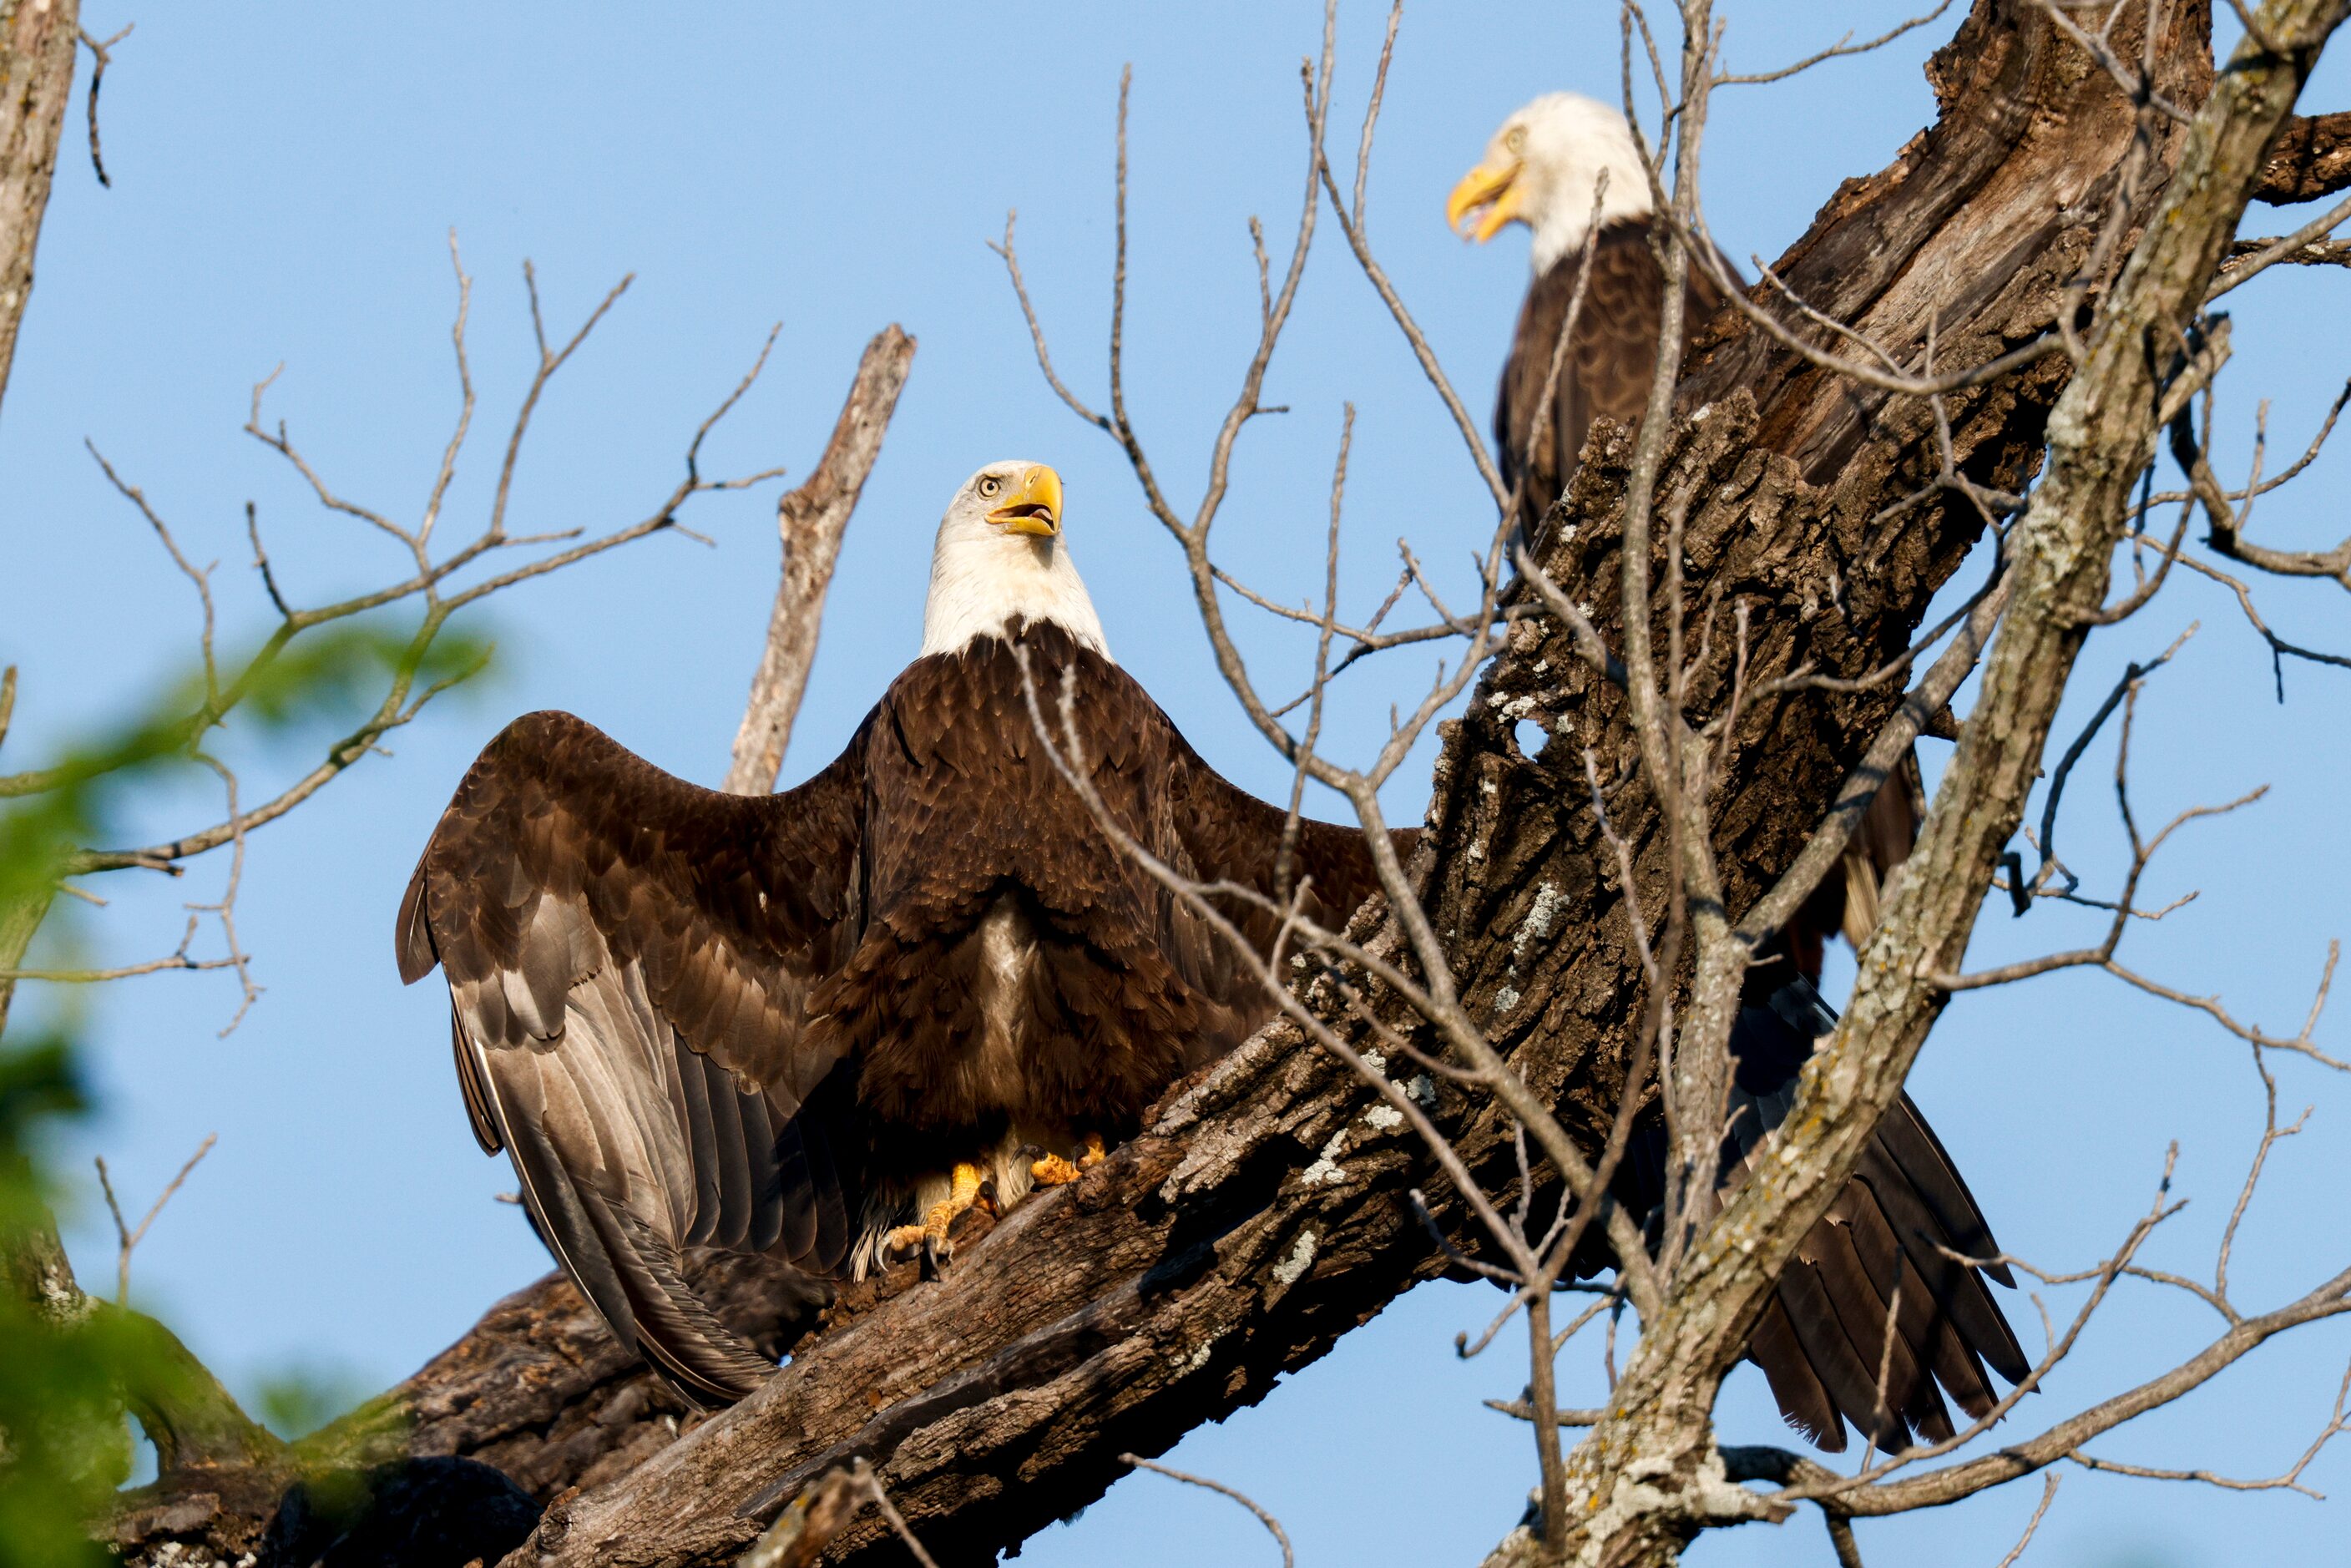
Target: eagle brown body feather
1906,1212
762,1023
1606,371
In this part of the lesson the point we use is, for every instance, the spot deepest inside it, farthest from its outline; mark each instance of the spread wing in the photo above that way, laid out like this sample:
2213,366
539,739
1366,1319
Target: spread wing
1823,1340
1230,835
628,958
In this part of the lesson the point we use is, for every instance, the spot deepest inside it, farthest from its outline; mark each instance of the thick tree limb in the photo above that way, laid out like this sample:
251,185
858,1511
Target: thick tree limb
811,519
2310,158
37,65
203,1443
36,62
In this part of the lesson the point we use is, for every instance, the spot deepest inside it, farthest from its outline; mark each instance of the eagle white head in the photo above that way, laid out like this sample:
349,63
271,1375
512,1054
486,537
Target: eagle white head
1541,170
1001,556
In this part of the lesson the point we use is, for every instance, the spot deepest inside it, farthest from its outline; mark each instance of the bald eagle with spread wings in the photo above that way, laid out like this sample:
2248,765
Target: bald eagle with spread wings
1567,167
817,1025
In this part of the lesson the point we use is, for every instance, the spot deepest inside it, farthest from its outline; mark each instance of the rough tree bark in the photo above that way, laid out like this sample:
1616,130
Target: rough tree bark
810,522
36,61
37,65
1262,1214
2310,158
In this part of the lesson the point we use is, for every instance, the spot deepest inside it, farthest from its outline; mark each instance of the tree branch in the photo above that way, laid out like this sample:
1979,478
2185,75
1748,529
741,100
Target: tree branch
2311,158
36,62
811,520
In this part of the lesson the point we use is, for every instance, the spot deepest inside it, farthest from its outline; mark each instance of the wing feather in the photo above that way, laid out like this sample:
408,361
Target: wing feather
1926,1327
1802,1397
692,1109
1820,1329
1903,1206
629,958
479,1109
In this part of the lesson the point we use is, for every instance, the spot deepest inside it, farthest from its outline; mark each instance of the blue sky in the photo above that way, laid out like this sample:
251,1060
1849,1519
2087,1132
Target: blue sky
285,180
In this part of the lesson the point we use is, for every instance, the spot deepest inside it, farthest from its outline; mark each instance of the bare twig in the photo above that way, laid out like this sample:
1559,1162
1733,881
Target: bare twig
445,583
2288,1480
1843,49
2294,247
2032,1525
179,959
102,56
864,1473
127,1237
1272,1525
2134,677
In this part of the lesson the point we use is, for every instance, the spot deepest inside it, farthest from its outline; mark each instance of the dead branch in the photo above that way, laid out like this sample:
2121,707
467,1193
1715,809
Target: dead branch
102,56
1272,1525
810,522
2311,158
127,1237
36,61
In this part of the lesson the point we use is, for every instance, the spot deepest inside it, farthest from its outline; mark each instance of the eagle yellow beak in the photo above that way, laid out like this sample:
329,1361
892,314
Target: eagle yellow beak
1035,508
1493,186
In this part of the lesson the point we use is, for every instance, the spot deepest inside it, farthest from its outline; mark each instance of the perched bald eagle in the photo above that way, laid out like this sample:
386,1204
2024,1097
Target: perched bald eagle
816,1024
1822,1341
1543,169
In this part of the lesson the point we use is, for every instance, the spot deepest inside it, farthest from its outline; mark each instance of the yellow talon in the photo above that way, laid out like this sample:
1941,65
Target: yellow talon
929,1239
961,1195
1055,1171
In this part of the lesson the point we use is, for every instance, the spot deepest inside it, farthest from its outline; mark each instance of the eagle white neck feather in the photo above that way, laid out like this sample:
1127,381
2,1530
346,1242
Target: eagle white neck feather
1570,139
982,580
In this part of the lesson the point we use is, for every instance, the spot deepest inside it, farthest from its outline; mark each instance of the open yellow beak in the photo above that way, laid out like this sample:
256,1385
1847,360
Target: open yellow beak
1494,187
1034,509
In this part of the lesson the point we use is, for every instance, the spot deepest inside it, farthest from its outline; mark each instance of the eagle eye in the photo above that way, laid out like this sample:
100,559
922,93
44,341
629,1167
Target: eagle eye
1516,140
988,486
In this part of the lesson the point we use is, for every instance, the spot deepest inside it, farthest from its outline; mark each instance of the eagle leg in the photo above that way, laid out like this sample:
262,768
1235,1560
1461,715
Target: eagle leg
930,1238
1055,1171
